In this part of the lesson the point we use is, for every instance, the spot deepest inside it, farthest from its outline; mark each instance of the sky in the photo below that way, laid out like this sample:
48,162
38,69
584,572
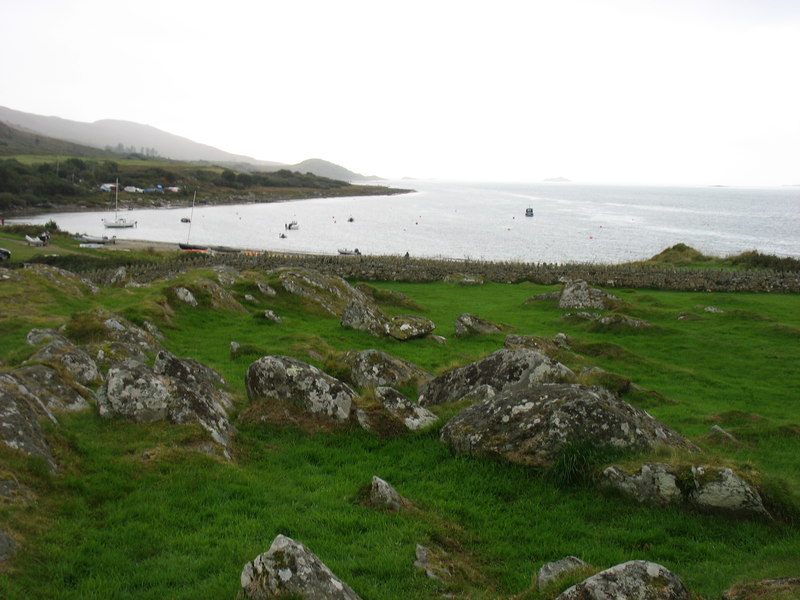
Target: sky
702,92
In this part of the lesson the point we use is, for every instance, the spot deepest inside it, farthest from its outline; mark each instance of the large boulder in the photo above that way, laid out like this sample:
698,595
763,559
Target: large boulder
500,371
408,327
531,425
282,378
180,391
469,324
633,580
392,413
20,411
289,569
578,295
372,368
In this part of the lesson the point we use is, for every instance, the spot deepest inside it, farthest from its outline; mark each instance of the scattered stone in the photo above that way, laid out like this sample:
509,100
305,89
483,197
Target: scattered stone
654,484
283,378
432,562
578,295
266,289
620,321
186,296
288,568
271,316
541,297
469,324
717,435
227,275
529,342
530,425
383,495
393,413
554,570
783,588
499,370
581,316
463,279
407,327
439,339
713,309
561,340
371,368
235,346
634,579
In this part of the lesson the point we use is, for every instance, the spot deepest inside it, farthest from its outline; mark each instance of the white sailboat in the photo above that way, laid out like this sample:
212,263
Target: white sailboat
118,222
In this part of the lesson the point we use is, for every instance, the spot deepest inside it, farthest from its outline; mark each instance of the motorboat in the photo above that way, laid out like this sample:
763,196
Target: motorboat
528,212
292,226
346,252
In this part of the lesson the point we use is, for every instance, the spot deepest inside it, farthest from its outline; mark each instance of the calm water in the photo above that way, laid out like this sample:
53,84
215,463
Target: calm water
572,222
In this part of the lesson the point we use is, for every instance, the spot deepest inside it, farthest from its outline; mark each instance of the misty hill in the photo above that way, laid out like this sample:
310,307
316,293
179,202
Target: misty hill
129,135
14,141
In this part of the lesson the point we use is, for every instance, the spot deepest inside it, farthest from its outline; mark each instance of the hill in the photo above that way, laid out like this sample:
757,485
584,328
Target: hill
129,137
15,142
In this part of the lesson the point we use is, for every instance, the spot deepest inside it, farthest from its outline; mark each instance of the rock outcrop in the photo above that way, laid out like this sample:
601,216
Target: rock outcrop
364,316
52,389
289,569
531,425
61,352
634,579
20,411
281,378
500,371
578,295
469,324
710,489
372,368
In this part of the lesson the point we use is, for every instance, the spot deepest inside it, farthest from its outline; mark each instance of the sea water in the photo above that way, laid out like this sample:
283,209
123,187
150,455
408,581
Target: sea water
571,222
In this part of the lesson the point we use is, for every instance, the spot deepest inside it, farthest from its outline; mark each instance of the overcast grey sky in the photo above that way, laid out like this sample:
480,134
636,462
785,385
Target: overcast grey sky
652,91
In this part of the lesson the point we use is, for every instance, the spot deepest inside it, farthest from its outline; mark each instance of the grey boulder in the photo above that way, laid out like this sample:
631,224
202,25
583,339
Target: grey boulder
377,368
408,327
469,324
531,425
289,569
633,580
578,295
500,371
393,412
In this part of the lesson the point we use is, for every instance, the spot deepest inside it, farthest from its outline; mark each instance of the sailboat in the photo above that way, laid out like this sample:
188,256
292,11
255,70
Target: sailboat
118,222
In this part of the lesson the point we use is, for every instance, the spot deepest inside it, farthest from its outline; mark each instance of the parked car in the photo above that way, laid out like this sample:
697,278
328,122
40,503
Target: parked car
5,254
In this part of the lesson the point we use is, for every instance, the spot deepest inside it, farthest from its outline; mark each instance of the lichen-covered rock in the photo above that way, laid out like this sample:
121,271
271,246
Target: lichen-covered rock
61,352
407,327
372,368
227,275
577,295
619,322
529,342
469,324
65,281
434,562
270,315
266,289
181,391
184,295
556,569
383,495
20,411
393,412
287,379
531,425
287,569
49,385
364,316
722,490
633,580
500,370
653,483
710,489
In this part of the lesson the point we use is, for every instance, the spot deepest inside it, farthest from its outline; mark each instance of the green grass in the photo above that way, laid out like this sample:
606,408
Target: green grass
136,514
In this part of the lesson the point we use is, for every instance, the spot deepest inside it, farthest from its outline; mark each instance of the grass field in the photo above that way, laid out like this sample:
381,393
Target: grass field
134,513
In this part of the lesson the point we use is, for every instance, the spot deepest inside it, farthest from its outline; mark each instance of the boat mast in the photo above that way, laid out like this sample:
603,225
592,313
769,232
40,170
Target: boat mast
116,199
191,218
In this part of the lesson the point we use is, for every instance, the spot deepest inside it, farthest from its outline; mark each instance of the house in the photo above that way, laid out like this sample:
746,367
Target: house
108,187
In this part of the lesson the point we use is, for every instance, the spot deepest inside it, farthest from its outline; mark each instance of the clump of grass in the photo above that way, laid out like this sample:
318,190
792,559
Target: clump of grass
85,328
576,463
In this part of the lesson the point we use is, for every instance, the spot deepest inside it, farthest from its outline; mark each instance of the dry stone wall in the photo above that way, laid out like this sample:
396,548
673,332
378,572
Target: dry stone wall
392,268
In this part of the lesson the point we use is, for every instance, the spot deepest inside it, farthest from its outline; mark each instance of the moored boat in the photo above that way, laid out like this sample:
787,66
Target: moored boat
346,252
528,212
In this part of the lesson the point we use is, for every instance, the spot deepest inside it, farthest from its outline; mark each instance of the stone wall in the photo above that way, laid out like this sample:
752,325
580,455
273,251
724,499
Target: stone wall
392,268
